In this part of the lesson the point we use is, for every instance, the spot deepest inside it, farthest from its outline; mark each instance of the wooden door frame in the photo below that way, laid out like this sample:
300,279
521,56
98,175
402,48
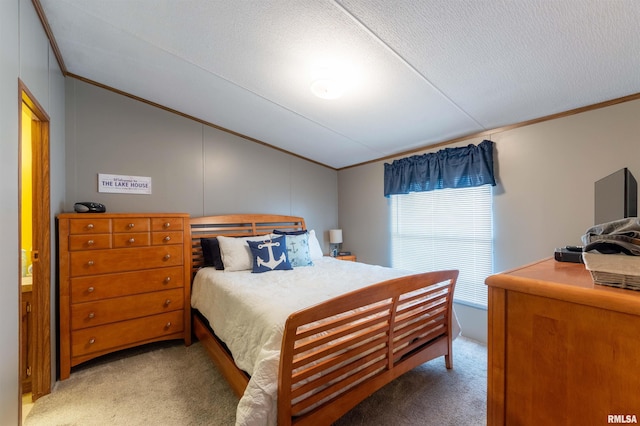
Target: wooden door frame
41,291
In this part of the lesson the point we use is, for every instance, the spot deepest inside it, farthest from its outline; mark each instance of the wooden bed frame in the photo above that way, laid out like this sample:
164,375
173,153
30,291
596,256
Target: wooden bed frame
337,353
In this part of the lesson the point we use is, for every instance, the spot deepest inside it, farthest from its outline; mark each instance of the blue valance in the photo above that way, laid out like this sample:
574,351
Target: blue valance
448,168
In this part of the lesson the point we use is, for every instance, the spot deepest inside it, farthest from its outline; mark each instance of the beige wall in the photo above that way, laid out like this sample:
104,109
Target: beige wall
9,312
543,200
194,168
26,55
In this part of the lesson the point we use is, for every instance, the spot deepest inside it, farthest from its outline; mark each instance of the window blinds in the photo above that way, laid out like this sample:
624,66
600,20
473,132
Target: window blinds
446,229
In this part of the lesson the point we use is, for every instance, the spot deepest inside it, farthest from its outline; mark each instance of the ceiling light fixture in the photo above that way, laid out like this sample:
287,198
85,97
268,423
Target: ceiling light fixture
327,89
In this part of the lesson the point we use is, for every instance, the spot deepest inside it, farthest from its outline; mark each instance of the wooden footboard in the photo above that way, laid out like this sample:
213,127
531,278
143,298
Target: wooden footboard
336,354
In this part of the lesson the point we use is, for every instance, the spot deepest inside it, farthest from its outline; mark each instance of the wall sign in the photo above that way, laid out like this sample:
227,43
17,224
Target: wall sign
124,184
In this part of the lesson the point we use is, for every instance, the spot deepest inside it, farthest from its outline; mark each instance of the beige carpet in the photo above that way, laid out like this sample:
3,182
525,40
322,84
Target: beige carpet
169,384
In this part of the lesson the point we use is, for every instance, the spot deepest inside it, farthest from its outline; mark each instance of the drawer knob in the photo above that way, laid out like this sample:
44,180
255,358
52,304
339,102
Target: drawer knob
131,225
90,289
92,340
168,325
91,315
167,280
90,226
167,256
167,224
90,263
132,240
167,302
167,238
90,242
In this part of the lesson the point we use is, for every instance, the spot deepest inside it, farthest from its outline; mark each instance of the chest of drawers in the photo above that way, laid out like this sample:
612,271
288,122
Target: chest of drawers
124,281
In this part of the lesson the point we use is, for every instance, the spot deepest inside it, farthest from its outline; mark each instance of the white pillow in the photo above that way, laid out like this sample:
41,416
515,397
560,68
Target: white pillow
235,252
315,251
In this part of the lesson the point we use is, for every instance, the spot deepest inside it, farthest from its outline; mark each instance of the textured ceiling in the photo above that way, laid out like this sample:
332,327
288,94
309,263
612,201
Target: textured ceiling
416,72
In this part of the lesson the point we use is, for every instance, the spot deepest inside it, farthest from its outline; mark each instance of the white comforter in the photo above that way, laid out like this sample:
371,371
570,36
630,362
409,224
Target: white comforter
248,312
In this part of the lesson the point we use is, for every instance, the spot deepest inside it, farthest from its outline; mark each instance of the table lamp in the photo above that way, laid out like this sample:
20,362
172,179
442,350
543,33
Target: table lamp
335,239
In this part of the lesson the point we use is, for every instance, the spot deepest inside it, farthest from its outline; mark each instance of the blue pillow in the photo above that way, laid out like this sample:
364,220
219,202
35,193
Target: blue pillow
298,250
279,232
297,247
270,255
211,252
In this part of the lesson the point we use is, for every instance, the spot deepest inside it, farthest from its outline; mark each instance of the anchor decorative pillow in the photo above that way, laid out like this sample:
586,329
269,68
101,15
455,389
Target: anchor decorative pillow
270,254
297,247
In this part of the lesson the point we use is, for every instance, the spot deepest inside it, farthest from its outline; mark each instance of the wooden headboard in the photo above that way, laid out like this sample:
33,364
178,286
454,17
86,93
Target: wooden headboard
236,225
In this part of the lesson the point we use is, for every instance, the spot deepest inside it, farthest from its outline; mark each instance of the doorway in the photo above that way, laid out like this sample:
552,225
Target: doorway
35,247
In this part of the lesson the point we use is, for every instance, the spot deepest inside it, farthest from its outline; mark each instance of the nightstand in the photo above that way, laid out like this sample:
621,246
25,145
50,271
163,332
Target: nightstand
350,257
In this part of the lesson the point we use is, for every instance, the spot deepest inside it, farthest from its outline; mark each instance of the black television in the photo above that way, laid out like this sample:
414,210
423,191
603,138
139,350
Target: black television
616,197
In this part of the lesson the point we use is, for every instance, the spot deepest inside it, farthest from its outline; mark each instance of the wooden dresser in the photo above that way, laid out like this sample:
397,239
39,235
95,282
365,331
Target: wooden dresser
562,350
124,281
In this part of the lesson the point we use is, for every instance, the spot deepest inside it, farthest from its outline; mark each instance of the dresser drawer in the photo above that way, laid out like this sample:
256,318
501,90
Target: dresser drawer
90,226
94,287
168,237
134,239
167,224
131,224
89,242
91,314
124,259
105,337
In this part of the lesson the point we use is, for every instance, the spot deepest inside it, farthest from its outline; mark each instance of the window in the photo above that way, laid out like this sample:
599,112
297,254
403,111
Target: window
446,229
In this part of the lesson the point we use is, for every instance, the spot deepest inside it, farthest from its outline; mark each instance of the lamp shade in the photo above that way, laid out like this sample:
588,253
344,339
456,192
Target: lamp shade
335,236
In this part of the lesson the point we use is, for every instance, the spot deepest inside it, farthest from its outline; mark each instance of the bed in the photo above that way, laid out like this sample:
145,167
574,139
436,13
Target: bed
311,342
